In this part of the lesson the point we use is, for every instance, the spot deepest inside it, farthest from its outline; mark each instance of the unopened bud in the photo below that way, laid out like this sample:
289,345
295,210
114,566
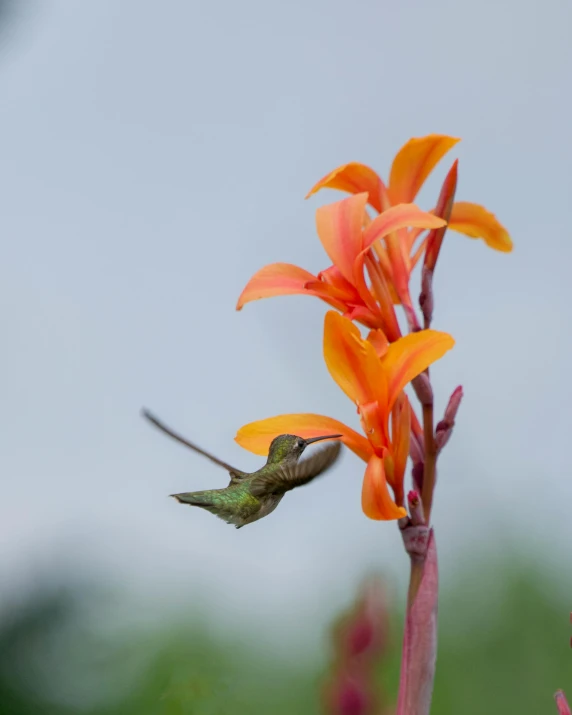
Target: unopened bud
423,390
426,301
444,428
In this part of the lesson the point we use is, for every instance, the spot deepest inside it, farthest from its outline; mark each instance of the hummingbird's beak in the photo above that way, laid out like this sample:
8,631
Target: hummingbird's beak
317,439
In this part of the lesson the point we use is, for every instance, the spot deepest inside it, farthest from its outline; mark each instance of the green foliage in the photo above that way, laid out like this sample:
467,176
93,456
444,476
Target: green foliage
503,648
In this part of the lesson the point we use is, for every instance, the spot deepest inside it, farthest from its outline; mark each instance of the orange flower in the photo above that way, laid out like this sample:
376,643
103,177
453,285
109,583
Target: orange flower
397,255
412,165
347,234
376,385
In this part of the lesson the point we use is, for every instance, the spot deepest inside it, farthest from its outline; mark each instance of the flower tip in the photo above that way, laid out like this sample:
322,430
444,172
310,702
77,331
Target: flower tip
454,402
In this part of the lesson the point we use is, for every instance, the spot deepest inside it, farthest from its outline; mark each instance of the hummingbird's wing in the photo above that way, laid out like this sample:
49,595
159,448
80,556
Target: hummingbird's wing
289,476
167,430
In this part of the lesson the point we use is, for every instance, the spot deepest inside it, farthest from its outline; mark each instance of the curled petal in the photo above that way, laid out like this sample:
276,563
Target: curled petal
256,436
353,362
476,222
275,279
354,178
414,162
398,217
410,355
339,227
375,498
284,279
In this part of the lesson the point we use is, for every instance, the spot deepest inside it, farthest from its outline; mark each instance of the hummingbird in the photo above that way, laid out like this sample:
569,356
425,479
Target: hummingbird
252,496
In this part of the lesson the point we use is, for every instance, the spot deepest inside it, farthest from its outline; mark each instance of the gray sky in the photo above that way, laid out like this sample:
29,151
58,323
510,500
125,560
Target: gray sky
155,155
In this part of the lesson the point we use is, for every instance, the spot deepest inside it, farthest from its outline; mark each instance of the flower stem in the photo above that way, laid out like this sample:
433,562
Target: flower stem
420,634
429,470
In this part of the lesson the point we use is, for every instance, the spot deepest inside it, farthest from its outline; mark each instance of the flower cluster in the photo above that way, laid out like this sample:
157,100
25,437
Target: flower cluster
372,258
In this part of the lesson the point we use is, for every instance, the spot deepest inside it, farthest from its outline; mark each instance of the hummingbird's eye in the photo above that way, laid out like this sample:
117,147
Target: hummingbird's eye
301,444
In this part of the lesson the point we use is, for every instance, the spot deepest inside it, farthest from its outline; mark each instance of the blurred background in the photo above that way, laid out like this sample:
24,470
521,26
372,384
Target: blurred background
155,155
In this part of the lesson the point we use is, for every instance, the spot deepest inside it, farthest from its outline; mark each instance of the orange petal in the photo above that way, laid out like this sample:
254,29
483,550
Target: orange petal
409,356
375,498
283,279
397,217
400,433
354,178
256,436
352,361
363,315
387,224
413,164
379,341
339,227
476,222
385,294
333,277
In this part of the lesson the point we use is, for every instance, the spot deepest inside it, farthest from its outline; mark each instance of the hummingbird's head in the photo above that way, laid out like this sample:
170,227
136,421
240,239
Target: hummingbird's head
289,447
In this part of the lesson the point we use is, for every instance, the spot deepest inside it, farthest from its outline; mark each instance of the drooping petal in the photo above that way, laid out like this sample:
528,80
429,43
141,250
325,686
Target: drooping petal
275,279
354,178
413,164
352,361
410,355
339,227
283,279
256,436
476,222
376,500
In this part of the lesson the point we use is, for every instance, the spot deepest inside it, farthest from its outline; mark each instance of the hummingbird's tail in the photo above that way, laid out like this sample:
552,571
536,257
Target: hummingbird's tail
209,500
203,499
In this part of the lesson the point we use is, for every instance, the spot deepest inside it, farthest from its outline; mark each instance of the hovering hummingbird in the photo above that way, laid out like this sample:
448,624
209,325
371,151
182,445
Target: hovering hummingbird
249,497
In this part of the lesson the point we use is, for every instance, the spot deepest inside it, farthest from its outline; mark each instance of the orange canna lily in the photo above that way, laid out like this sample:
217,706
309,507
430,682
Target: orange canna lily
347,234
412,165
397,255
376,385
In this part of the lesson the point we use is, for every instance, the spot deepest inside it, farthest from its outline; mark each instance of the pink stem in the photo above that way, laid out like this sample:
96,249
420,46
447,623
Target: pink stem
420,636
